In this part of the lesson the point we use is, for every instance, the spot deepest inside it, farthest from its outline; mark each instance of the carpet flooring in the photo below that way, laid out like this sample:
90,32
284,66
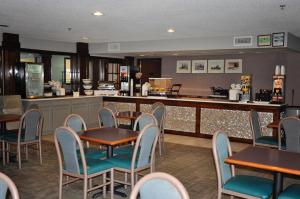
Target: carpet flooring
193,166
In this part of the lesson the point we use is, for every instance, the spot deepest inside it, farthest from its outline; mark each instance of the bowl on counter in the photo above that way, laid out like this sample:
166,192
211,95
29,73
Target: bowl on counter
86,81
87,86
88,92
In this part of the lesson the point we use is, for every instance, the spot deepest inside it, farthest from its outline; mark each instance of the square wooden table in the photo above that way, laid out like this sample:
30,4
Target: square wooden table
131,115
269,159
110,137
4,118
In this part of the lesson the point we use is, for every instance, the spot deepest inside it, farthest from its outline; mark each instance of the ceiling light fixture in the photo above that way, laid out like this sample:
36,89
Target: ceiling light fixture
171,30
142,55
85,38
97,13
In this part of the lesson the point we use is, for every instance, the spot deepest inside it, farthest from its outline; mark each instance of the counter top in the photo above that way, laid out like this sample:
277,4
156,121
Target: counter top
59,98
215,101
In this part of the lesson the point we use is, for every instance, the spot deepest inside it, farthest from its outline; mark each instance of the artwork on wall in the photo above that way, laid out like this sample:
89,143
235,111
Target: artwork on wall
183,66
216,66
264,40
278,39
199,66
233,66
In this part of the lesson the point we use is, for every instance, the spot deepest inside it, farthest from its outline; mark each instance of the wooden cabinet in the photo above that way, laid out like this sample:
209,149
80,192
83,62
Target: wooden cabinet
150,67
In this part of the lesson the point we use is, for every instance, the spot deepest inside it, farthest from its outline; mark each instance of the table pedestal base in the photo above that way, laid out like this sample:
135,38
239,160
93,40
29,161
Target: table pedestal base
277,184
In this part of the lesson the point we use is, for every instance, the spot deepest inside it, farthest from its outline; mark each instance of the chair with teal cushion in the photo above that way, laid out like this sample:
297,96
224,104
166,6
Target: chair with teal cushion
107,118
159,185
139,124
29,133
291,192
143,155
77,123
159,112
79,167
236,185
258,138
7,184
291,128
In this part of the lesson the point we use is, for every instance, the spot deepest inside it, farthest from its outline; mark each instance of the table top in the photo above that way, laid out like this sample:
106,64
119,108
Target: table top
267,159
109,136
128,114
9,117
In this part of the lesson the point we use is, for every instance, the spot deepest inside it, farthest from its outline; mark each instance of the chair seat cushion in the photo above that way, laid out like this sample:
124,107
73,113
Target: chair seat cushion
93,153
121,161
128,149
267,140
250,185
94,166
291,192
13,137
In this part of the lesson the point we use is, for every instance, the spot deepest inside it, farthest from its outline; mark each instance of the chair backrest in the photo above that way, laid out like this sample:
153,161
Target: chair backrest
143,120
291,128
106,118
112,107
292,111
66,143
159,113
5,184
75,122
144,149
222,150
156,104
255,125
159,185
31,124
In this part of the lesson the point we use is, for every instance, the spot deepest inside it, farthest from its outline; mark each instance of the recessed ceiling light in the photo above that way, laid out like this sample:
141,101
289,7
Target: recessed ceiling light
84,38
171,30
142,55
97,13
175,54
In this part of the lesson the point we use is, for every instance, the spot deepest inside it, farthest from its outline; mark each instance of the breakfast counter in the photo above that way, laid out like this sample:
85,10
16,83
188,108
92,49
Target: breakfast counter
202,117
56,109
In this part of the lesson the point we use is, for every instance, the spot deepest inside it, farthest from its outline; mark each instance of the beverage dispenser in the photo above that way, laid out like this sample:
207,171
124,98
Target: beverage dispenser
124,80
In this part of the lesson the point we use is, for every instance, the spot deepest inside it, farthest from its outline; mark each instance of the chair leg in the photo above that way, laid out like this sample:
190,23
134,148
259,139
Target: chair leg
231,197
3,153
85,184
40,152
7,152
19,156
126,180
112,183
132,180
26,151
104,188
60,186
159,145
219,194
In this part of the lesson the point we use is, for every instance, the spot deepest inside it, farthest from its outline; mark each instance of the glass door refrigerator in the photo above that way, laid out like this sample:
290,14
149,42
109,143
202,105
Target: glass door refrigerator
124,80
30,78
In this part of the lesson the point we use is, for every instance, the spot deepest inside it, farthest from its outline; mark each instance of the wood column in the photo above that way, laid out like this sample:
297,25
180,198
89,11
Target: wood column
46,60
83,57
10,60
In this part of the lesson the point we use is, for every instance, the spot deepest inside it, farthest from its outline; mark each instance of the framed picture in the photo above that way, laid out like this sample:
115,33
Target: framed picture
264,40
233,66
278,39
199,66
183,66
215,66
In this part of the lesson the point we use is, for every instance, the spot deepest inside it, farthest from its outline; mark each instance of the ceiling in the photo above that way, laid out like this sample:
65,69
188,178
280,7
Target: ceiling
138,20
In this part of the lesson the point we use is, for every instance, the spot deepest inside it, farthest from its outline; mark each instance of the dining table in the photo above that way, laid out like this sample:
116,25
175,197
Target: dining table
129,115
5,118
274,160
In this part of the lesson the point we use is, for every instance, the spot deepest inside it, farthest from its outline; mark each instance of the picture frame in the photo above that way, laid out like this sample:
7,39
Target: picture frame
278,39
183,66
199,66
215,66
233,66
264,40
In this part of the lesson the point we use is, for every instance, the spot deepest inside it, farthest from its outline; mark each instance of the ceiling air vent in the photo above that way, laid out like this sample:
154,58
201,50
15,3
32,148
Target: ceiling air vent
113,47
242,41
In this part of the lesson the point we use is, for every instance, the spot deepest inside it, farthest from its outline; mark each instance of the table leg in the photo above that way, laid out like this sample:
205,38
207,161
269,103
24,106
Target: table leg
277,184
